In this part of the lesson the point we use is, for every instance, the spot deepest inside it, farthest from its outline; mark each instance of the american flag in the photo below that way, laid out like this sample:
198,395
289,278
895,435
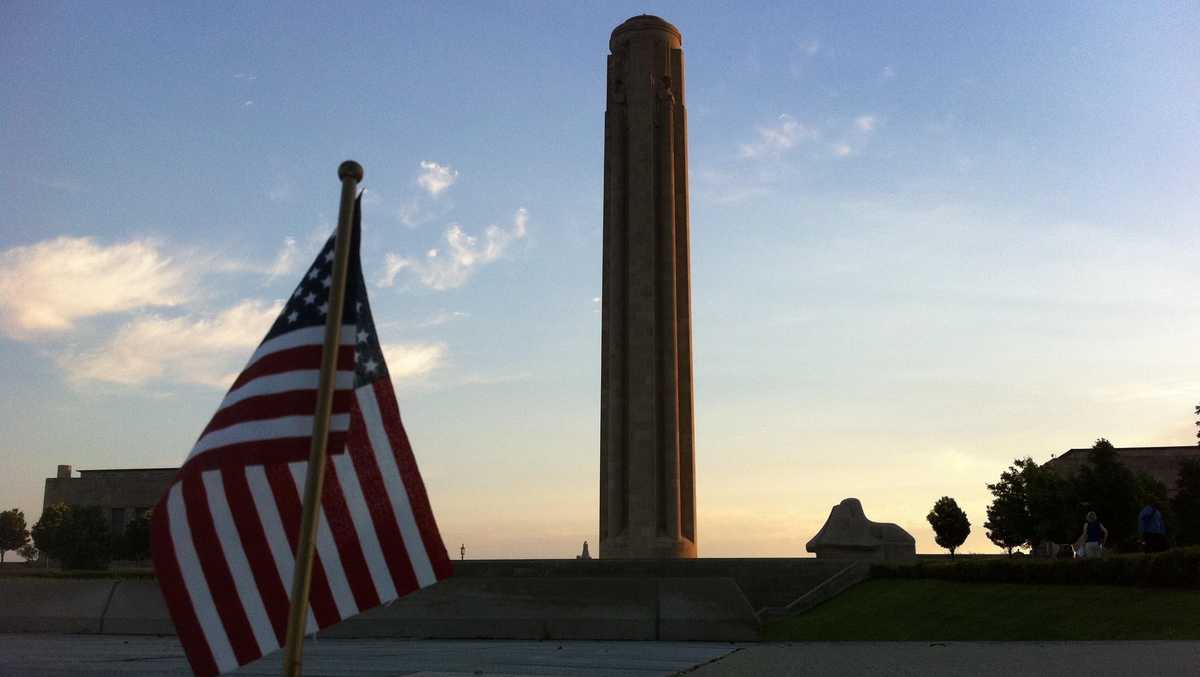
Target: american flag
225,533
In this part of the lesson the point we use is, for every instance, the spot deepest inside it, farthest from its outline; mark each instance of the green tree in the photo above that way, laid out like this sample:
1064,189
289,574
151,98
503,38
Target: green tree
48,532
76,536
1054,508
1008,523
1151,491
13,533
1186,504
1106,485
950,524
86,543
134,544
29,551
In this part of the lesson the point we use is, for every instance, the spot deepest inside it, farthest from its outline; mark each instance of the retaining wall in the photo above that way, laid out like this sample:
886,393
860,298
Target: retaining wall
703,599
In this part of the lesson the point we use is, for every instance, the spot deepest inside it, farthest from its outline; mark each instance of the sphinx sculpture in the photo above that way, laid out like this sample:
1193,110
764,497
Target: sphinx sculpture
848,534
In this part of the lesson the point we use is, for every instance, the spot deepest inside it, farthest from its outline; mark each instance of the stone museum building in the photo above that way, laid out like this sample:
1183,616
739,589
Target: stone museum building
1161,463
122,493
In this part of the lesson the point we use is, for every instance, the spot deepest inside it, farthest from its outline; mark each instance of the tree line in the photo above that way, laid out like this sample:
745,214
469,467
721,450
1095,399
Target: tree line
77,536
1034,505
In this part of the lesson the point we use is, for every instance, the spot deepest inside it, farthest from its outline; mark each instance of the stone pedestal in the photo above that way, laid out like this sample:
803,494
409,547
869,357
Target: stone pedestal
647,487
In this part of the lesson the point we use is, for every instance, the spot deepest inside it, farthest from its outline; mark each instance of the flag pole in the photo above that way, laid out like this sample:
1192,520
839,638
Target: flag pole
350,173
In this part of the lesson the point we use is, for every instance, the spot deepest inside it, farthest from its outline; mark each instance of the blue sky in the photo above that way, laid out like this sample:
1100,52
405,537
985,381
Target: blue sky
926,240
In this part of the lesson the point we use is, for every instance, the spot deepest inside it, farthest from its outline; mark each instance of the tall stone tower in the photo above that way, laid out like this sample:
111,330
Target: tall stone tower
647,470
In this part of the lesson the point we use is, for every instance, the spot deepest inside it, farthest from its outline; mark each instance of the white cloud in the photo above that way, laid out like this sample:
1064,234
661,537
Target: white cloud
842,150
436,178
187,349
727,187
372,198
411,360
281,189
48,286
286,261
866,123
1169,390
464,254
442,318
778,138
410,213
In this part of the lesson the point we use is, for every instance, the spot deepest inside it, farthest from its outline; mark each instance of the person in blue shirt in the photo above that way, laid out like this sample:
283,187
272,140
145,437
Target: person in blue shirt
1152,528
1094,536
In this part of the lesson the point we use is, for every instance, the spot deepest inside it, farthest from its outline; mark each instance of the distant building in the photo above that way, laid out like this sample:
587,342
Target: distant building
1161,463
122,493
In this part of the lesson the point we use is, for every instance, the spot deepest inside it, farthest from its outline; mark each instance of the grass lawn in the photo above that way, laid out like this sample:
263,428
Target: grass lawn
884,609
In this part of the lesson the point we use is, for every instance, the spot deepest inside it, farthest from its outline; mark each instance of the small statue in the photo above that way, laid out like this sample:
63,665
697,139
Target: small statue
585,554
462,551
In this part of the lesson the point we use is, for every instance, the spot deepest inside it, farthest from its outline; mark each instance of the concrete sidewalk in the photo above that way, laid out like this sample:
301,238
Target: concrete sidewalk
973,659
140,656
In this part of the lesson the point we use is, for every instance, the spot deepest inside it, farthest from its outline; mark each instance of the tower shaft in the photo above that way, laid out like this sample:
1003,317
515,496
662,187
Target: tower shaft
647,477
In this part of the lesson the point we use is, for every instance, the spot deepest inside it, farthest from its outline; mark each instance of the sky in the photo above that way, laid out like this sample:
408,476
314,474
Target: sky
927,239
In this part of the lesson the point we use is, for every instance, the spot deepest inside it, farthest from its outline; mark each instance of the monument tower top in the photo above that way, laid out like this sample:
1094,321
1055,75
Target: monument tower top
641,24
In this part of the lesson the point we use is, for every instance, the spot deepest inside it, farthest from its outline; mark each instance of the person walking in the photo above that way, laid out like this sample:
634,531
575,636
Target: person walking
1152,528
1094,536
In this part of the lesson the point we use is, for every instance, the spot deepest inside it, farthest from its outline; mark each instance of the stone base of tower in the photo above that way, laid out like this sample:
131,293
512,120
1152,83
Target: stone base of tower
622,547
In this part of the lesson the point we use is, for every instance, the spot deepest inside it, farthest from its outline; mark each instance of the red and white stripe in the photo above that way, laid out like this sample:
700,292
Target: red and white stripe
225,533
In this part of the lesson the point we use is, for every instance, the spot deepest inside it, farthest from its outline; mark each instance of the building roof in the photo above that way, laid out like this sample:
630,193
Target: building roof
1161,463
127,470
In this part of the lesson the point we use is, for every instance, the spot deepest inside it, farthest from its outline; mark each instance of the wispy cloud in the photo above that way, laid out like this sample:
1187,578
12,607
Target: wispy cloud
436,178
287,260
856,139
421,209
463,254
1171,390
802,54
729,187
418,207
413,360
776,139
49,286
442,318
281,189
187,349
372,197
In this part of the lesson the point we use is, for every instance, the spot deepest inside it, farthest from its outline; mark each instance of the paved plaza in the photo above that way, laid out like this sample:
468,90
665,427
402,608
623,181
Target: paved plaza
136,656
965,659
139,656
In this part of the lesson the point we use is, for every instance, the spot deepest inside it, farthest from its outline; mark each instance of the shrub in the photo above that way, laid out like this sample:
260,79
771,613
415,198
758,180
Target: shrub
1179,568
